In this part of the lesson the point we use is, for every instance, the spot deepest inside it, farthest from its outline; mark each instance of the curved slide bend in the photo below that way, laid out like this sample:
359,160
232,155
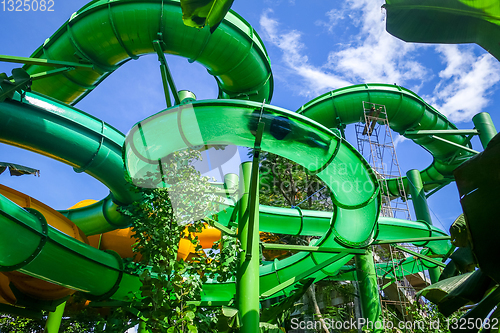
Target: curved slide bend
81,267
123,30
54,129
355,195
248,76
234,54
271,275
405,111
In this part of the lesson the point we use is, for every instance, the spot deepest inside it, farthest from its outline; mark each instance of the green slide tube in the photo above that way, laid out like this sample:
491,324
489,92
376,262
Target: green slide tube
446,21
41,251
122,30
55,257
355,195
59,119
46,253
80,140
405,111
304,222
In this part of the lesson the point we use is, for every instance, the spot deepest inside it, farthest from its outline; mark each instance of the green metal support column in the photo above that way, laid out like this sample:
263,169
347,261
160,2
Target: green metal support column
421,209
371,308
166,76
54,319
485,126
247,283
142,327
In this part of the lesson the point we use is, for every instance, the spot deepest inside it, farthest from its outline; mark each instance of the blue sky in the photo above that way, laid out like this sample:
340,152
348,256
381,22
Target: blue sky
314,46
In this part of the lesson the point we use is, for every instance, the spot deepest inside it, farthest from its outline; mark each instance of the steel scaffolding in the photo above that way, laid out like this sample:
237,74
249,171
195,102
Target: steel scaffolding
375,142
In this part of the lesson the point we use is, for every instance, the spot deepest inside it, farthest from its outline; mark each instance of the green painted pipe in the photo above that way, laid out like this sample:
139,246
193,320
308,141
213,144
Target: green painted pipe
247,280
418,198
369,296
421,209
405,111
123,30
54,319
485,126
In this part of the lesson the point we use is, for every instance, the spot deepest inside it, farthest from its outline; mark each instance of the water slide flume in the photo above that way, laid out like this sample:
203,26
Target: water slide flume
406,113
59,110
56,130
234,54
446,22
123,30
54,256
231,122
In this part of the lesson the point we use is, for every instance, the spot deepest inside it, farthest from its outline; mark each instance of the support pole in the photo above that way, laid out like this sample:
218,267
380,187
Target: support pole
485,126
166,76
142,327
247,280
421,209
54,319
369,297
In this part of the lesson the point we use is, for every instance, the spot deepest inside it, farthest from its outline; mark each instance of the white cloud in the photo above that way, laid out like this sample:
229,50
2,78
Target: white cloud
316,80
399,139
465,84
373,55
334,17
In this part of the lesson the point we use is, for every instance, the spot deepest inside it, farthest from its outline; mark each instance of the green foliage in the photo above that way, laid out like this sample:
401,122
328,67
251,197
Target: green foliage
280,312
14,324
83,322
423,318
286,184
160,220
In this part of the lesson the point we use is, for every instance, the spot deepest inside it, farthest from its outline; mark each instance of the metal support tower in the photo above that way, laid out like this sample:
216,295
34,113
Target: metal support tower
375,142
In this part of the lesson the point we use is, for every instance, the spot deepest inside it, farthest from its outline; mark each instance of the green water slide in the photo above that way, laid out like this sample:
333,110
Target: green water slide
236,57
407,114
107,34
44,252
355,195
67,123
446,21
54,129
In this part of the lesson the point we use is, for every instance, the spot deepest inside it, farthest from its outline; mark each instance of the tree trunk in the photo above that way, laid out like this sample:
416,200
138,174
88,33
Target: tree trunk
311,293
